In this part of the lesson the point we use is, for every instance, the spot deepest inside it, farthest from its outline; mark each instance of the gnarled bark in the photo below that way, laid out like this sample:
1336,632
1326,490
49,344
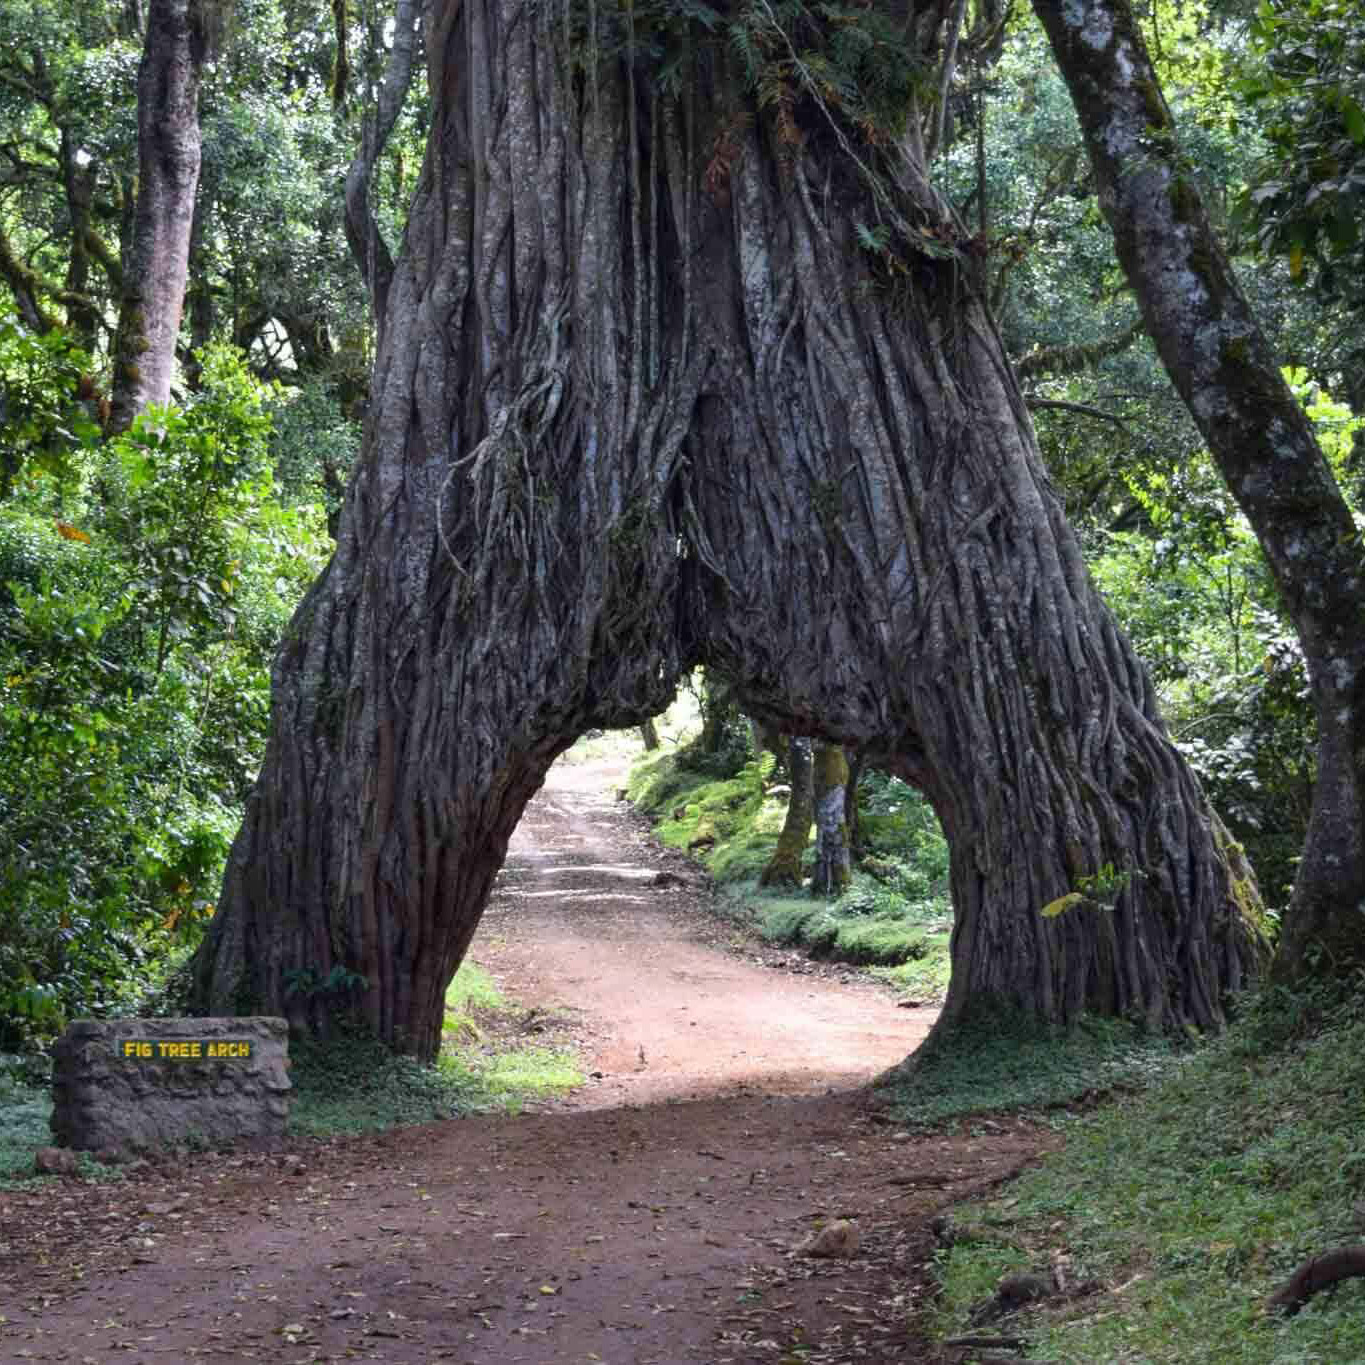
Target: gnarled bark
1223,367
645,400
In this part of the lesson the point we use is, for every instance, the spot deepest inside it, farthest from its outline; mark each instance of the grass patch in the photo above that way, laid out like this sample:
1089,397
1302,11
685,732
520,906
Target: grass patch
355,1084
24,1112
1010,1063
485,1065
869,925
1191,1203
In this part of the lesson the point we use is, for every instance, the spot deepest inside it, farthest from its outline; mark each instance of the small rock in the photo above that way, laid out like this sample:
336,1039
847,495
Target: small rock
908,1004
54,1161
840,1238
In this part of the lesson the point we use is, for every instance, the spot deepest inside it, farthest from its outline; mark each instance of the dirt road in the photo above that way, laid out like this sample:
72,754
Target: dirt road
592,916
652,1219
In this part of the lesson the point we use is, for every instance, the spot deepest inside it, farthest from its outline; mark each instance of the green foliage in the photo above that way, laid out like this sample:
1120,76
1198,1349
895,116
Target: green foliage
1194,593
24,1112
1193,1201
142,590
895,911
42,416
1303,84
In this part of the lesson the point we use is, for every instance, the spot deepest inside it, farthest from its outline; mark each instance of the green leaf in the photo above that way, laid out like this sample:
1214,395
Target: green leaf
1061,905
1354,118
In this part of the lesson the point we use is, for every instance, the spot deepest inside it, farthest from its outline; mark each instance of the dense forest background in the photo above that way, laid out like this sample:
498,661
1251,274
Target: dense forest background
146,577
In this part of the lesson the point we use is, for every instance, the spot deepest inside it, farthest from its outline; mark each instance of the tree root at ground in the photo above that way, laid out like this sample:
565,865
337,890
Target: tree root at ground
1317,1273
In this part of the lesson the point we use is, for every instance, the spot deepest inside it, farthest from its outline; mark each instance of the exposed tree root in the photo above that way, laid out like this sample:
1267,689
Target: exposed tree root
1318,1272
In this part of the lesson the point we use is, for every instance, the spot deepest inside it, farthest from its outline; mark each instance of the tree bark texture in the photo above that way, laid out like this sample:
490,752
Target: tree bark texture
784,867
156,265
1219,360
830,782
646,400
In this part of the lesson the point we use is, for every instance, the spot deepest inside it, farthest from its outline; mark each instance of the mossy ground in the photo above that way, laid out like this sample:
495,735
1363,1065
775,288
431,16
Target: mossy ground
1191,1202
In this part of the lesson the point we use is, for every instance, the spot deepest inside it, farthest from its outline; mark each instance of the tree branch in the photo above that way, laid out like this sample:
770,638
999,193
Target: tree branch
362,231
1034,403
1061,360
945,81
26,284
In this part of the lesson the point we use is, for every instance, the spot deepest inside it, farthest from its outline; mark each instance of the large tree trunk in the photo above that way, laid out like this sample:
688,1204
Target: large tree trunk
1219,360
648,397
156,267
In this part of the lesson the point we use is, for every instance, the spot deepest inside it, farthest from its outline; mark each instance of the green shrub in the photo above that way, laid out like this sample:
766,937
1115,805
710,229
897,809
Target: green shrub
143,588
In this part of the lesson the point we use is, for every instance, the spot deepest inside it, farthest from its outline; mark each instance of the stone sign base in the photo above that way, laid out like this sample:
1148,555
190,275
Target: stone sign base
139,1083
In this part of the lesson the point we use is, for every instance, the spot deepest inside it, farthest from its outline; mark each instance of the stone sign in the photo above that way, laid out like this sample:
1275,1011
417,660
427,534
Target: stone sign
138,1083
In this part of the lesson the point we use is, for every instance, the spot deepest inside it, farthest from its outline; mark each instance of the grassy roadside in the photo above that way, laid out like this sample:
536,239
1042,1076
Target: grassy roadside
488,1063
895,917
1185,1206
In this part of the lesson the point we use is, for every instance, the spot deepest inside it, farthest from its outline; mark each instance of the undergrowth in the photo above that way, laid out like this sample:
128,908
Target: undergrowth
1190,1203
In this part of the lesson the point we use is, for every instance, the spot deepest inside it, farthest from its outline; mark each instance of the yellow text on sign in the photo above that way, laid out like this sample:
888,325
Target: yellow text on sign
185,1049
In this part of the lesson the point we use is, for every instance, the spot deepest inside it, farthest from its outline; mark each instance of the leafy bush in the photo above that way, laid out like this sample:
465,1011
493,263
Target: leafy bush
143,587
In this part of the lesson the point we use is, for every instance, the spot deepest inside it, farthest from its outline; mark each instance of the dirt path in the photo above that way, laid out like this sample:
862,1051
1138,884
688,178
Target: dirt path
652,1218
592,917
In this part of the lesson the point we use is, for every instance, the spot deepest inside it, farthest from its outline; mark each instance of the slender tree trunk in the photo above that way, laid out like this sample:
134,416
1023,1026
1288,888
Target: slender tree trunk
649,735
717,711
852,817
830,777
156,265
78,177
648,398
1220,361
784,867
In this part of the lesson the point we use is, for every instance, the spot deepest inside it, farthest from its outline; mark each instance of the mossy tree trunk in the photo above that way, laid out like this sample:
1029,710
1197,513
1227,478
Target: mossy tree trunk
830,781
1219,360
647,397
852,813
649,734
784,867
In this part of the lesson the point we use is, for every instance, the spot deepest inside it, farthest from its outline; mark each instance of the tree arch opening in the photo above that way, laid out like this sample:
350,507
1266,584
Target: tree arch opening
696,368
